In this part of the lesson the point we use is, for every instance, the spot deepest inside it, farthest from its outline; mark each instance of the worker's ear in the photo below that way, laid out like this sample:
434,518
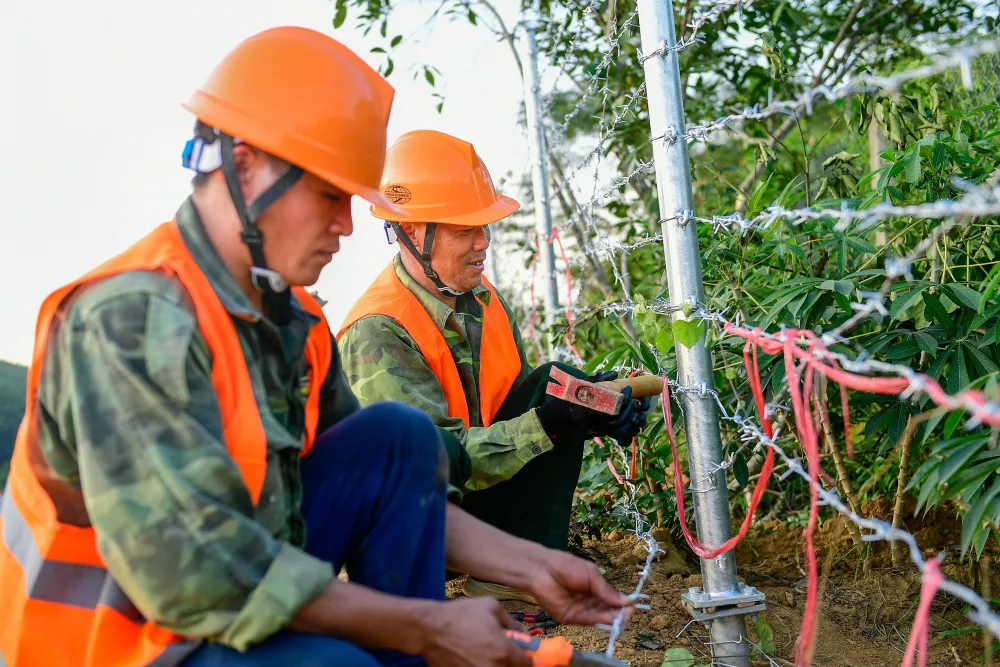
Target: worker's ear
415,232
254,168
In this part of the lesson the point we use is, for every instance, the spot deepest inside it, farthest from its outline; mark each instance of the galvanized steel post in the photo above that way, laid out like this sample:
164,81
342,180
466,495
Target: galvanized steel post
721,588
539,176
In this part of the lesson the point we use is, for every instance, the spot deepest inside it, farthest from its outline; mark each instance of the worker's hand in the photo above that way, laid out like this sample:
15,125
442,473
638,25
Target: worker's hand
470,633
572,591
602,376
630,420
558,416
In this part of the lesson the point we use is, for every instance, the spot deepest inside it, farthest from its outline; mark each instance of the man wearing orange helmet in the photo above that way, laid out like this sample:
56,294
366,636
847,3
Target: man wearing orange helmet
432,332
192,470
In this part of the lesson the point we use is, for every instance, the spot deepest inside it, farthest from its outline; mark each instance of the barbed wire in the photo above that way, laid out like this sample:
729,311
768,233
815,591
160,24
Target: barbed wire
614,46
978,200
905,383
981,613
585,212
642,530
701,17
806,101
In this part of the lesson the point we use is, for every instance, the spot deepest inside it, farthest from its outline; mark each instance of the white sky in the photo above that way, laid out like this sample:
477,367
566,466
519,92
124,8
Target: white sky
91,128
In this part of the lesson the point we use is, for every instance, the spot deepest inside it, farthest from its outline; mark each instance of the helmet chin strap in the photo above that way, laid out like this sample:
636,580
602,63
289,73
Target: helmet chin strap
275,295
211,149
424,257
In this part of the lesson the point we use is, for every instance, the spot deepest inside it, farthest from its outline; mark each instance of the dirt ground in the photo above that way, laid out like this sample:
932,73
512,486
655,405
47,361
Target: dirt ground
865,617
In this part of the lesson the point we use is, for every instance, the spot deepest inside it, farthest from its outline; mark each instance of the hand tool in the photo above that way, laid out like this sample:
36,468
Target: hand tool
604,396
558,652
538,620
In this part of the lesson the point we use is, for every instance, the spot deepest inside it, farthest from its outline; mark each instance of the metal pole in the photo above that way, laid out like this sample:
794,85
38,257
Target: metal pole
694,365
539,177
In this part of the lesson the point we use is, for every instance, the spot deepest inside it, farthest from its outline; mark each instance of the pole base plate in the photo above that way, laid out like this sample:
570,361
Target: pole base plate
704,607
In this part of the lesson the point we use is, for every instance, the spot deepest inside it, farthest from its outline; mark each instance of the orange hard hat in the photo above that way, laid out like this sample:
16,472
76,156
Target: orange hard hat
435,177
306,98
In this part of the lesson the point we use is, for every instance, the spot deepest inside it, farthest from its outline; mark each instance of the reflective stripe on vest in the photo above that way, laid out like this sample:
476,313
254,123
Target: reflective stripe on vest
49,580
500,362
60,605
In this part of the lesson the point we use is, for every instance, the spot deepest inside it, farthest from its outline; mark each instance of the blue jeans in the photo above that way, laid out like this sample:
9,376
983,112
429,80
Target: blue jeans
374,500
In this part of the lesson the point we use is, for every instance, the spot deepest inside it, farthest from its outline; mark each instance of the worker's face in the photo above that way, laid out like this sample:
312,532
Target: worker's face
302,229
458,254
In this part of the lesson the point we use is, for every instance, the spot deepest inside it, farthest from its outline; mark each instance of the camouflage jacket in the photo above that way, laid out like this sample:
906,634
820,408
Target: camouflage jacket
128,412
382,362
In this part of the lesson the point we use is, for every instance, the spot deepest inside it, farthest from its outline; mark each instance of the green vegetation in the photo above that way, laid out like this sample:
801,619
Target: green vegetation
12,390
930,140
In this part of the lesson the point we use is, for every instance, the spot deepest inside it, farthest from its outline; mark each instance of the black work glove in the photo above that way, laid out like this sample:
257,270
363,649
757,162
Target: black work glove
603,376
630,420
632,417
559,416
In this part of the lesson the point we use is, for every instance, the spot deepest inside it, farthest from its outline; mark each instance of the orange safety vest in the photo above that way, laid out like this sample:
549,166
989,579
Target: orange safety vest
499,364
58,603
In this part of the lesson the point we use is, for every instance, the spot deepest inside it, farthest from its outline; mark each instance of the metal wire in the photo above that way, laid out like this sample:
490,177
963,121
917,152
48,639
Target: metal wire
642,531
978,200
805,103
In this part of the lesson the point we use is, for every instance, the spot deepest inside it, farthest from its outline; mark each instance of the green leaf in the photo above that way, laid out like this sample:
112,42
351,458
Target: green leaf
754,202
341,13
904,301
665,340
951,423
964,294
677,657
688,332
959,376
396,40
894,416
979,541
740,470
938,314
990,285
973,520
376,49
926,489
913,169
772,315
844,287
926,342
984,316
765,636
429,76
605,360
860,244
981,359
648,358
472,17
957,458
897,422
903,350
983,109
939,155
389,66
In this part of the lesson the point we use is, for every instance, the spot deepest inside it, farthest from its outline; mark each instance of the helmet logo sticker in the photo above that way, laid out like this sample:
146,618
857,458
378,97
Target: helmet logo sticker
398,194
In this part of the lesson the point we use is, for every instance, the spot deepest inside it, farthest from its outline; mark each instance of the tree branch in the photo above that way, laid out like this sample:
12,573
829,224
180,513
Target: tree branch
904,446
505,33
789,123
569,204
838,461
